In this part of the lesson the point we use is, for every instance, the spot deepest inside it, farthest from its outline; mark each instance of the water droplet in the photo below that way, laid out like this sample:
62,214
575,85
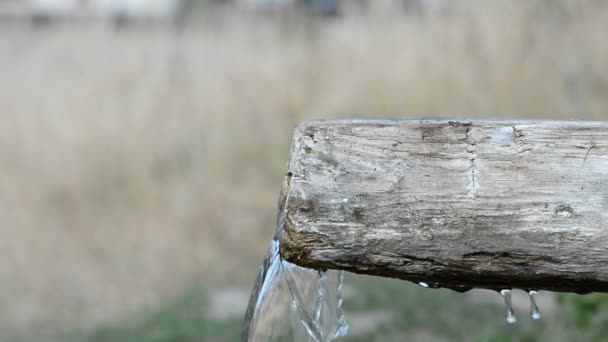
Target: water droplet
461,289
534,311
506,294
423,284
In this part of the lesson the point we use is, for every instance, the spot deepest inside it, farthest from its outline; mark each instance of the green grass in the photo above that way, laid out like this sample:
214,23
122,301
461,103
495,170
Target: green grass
587,315
444,315
417,315
435,314
183,320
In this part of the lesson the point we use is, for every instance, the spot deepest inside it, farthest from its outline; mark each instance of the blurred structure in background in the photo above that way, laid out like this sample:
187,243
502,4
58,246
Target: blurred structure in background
143,144
88,9
170,11
123,11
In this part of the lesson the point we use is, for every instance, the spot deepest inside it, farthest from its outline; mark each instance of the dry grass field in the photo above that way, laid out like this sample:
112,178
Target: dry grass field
136,164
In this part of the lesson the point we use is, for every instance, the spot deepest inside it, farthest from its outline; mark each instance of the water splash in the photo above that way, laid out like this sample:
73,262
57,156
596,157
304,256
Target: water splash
506,294
534,311
289,302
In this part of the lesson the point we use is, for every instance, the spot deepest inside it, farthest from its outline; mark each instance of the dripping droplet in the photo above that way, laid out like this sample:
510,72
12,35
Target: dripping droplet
423,284
534,311
506,294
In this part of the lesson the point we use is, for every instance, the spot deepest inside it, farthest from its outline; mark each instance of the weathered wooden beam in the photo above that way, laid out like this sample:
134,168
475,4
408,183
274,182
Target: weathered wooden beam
457,204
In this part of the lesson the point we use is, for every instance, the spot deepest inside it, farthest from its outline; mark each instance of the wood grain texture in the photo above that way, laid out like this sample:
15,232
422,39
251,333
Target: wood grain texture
456,204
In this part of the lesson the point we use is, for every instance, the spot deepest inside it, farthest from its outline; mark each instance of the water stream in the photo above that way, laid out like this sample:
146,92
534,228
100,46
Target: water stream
534,311
506,293
292,303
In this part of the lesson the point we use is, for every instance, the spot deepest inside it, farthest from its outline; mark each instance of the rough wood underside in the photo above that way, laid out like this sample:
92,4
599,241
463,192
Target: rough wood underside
458,204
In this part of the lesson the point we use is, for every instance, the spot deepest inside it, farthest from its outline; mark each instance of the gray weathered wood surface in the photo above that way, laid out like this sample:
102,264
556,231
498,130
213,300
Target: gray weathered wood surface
457,204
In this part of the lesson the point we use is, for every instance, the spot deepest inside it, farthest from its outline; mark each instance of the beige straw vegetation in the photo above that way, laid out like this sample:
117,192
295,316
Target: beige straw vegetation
136,163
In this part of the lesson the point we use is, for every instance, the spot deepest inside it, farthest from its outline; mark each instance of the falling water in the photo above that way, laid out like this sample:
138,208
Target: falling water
534,311
292,303
506,294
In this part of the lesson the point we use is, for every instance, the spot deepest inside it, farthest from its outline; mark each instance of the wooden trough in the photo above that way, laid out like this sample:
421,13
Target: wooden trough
455,204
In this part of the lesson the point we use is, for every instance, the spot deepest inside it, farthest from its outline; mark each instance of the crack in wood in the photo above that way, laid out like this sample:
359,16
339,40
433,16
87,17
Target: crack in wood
592,146
472,151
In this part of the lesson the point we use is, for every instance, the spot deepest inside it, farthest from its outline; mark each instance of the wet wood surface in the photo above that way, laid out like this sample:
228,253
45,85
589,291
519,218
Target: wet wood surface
457,204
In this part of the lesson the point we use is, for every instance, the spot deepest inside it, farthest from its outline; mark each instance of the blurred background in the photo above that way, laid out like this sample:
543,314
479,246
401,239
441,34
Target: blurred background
143,144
